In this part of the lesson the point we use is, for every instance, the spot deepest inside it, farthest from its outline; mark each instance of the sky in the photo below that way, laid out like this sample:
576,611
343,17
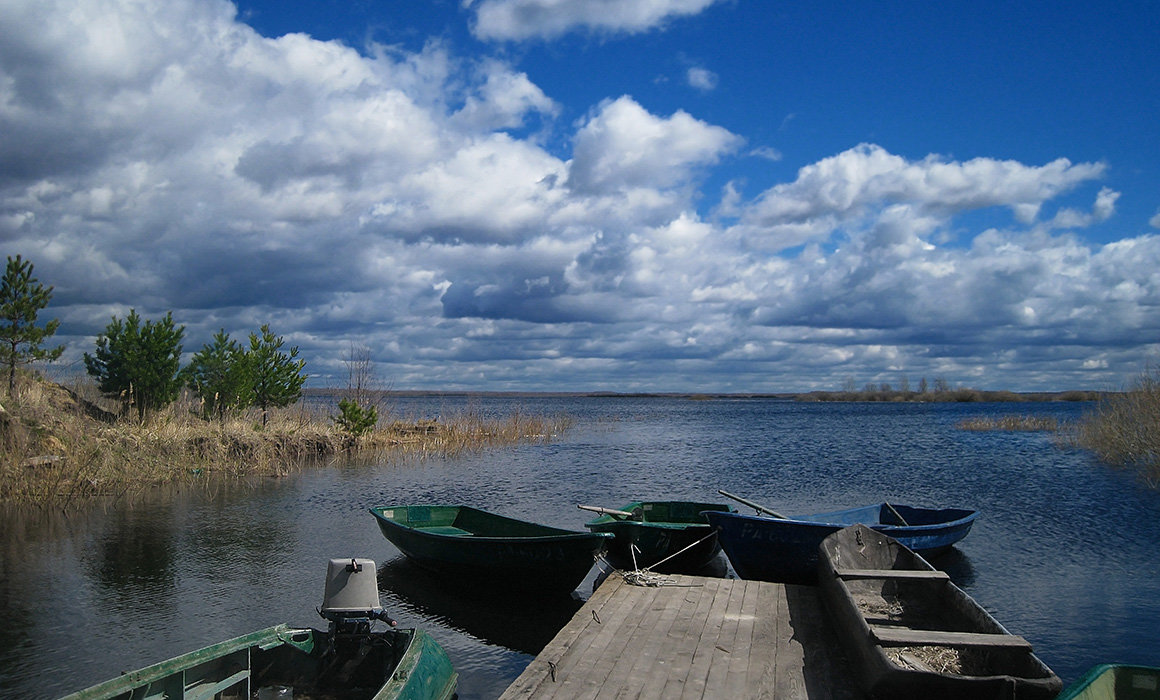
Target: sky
599,195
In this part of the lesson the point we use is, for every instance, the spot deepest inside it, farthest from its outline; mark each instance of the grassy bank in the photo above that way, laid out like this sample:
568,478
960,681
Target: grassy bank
62,443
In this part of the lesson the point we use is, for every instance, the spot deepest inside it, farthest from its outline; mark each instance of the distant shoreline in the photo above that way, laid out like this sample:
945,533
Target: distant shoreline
952,396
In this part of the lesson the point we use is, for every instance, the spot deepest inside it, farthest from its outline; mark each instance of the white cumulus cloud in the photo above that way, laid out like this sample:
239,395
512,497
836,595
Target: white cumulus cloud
702,79
840,190
623,146
526,19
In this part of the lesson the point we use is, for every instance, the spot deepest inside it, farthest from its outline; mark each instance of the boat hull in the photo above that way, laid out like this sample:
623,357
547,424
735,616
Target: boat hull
392,665
672,534
910,632
478,548
786,550
1115,682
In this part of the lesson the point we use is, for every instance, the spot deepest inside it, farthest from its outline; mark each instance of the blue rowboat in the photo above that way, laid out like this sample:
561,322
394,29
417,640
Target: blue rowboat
785,549
485,549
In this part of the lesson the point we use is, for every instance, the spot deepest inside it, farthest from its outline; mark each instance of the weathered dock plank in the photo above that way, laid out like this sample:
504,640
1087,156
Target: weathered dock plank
646,677
694,638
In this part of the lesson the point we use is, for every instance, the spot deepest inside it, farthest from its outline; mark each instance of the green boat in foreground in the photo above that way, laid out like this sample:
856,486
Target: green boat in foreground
485,549
349,661
1115,682
664,536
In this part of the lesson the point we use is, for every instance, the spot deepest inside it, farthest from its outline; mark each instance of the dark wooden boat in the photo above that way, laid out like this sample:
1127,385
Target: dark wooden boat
1115,682
488,549
350,660
785,549
912,633
663,536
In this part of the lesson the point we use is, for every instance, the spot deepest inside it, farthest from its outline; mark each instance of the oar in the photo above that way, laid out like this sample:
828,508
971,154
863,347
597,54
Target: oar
610,511
759,508
898,515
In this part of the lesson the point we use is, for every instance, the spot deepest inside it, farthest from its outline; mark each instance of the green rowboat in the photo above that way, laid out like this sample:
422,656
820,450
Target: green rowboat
482,548
663,536
402,664
350,660
1115,682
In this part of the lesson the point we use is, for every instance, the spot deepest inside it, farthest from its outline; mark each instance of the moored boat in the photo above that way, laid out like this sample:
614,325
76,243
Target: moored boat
663,536
784,549
349,660
488,549
1115,682
911,632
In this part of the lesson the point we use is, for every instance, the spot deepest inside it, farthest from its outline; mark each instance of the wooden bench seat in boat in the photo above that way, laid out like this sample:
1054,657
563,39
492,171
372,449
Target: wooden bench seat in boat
894,574
447,530
896,636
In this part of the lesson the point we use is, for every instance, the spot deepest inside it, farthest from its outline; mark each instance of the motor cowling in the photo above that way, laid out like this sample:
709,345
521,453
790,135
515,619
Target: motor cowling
351,598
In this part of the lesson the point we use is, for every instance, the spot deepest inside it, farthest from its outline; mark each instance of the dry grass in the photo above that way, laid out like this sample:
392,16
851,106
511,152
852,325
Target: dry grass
59,444
1124,429
1012,423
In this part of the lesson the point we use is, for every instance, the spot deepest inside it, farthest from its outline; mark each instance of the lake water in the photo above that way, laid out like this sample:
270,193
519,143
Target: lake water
1066,551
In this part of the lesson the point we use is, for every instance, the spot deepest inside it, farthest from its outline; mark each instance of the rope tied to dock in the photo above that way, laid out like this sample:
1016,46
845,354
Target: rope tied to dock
646,576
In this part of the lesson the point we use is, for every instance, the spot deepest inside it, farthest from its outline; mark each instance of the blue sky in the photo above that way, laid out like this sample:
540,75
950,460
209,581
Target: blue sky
652,195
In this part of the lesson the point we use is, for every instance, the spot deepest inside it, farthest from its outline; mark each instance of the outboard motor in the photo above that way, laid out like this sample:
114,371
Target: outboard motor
351,601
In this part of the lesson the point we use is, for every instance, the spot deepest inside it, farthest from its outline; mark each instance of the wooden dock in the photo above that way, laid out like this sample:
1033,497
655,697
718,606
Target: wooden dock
693,638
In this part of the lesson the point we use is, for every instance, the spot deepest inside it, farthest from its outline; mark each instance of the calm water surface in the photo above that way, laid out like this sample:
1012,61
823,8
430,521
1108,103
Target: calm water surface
1066,551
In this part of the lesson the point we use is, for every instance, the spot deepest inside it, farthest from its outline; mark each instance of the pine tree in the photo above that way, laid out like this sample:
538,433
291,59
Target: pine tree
138,362
276,377
219,375
21,299
355,419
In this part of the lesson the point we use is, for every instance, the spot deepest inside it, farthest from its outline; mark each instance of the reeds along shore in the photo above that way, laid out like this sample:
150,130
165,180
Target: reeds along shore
1124,429
1010,423
61,444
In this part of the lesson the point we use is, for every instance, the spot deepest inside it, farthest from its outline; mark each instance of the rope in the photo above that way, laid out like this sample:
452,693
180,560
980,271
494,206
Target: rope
646,576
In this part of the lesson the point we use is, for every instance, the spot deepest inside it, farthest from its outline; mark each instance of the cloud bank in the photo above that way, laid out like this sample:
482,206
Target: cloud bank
167,157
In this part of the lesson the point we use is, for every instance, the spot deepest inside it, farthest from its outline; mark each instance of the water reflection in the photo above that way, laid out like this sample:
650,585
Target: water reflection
491,616
133,561
957,565
234,535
